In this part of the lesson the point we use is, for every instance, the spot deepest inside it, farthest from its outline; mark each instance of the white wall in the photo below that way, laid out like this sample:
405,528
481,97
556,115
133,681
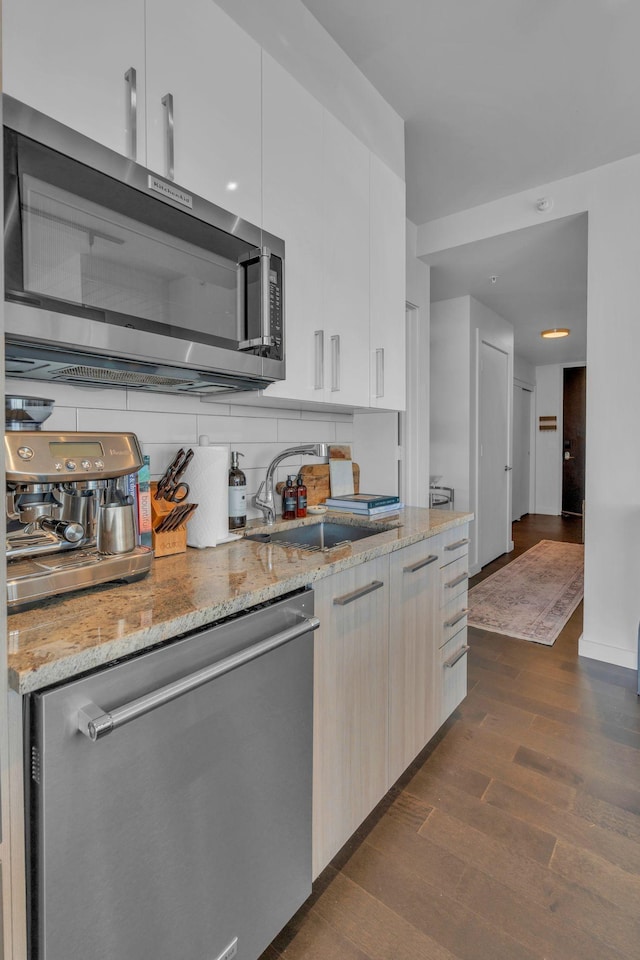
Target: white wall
548,487
450,397
611,196
416,422
164,423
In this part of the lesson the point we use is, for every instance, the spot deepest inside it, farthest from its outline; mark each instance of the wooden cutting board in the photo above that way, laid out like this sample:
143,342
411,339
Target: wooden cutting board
316,477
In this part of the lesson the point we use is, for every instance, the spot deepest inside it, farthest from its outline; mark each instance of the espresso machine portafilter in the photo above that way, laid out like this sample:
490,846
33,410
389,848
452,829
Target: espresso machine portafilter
70,524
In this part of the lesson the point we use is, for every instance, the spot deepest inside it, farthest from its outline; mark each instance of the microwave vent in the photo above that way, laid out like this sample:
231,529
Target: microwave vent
124,377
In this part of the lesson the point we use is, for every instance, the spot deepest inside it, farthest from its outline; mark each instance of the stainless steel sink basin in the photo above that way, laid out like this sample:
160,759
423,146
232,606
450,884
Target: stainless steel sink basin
317,536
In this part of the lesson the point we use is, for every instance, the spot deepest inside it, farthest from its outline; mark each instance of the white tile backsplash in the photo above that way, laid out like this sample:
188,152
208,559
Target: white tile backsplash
164,422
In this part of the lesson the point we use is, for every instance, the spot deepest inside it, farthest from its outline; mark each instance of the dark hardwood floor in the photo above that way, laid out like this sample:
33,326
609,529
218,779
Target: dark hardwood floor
515,834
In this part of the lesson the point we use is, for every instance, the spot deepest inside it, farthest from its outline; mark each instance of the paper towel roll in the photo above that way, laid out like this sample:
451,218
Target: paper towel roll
208,481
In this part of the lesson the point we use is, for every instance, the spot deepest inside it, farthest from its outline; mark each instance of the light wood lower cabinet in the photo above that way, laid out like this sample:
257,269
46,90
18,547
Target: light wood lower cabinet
450,665
350,703
413,695
386,678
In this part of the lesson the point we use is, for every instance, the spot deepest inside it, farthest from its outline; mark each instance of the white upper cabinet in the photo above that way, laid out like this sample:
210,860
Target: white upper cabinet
292,210
200,57
69,59
388,285
345,237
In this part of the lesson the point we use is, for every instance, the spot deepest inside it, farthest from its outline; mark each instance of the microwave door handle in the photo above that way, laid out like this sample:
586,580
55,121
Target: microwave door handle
265,339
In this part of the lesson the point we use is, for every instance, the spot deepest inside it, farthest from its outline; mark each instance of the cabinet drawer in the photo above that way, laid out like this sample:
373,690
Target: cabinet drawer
453,667
454,580
455,544
453,617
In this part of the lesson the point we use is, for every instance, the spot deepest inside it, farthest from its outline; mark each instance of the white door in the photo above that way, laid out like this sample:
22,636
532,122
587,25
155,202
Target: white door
521,450
494,478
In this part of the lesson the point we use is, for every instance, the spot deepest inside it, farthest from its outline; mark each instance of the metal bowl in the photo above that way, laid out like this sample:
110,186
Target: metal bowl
26,413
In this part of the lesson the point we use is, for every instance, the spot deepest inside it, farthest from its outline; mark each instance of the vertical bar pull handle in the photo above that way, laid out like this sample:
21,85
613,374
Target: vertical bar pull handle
318,343
167,103
131,80
335,363
380,372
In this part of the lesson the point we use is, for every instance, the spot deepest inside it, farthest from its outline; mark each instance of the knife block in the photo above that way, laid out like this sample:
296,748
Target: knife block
170,541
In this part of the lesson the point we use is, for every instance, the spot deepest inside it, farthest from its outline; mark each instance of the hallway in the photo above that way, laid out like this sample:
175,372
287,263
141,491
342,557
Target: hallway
515,835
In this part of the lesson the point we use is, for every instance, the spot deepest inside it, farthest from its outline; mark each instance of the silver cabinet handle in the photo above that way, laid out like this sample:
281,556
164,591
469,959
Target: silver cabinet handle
460,616
451,662
318,342
131,80
167,103
95,723
419,564
356,594
380,372
335,363
458,543
454,583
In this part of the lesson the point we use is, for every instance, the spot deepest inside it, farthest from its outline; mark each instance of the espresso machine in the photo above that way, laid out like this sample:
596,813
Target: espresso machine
70,521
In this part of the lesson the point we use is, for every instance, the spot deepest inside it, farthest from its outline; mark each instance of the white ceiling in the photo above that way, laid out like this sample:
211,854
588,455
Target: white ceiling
500,96
497,95
541,282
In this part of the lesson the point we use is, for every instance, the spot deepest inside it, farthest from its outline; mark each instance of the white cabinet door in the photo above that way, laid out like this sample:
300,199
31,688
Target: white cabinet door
68,59
292,209
413,647
346,265
388,288
350,703
211,68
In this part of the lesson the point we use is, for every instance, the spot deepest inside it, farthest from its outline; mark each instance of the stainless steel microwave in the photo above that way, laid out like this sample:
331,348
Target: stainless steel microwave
117,276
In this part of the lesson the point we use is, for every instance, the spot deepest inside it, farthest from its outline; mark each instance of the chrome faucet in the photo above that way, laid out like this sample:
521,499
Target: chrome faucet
264,498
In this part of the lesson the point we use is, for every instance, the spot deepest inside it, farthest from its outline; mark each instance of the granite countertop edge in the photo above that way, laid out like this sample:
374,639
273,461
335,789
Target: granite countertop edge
37,662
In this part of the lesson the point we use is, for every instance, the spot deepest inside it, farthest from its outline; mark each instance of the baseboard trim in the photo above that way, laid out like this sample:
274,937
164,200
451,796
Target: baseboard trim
607,654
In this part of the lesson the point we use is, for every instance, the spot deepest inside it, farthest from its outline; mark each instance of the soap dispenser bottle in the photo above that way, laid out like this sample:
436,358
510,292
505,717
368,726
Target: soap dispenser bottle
237,494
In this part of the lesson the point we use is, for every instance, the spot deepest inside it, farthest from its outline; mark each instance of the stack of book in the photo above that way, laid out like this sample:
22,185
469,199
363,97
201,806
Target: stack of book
365,504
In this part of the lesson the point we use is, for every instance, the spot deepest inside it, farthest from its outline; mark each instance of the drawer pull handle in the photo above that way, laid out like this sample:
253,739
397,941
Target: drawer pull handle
458,543
460,616
454,583
451,662
356,594
419,564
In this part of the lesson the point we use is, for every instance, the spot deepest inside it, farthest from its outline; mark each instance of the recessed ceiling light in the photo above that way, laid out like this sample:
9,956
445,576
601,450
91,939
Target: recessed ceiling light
555,333
232,185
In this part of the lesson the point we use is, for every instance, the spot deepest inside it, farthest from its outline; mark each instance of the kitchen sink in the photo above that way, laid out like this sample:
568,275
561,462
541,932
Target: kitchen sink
318,536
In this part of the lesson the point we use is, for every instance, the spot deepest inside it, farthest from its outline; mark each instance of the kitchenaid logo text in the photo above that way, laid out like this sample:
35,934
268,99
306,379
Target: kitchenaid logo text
168,191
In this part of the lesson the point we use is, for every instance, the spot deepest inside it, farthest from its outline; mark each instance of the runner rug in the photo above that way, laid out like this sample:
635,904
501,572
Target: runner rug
532,597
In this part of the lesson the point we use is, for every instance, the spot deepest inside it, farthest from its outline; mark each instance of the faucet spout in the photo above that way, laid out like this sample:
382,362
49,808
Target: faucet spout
264,498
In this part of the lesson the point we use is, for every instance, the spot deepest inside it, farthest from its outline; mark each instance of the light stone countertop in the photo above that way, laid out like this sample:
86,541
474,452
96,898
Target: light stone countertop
65,636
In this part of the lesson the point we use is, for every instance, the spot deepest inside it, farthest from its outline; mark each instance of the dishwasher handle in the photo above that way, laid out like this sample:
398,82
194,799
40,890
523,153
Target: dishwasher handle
96,723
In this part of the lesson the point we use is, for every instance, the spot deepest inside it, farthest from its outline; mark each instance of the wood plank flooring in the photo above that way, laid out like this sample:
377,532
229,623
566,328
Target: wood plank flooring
515,835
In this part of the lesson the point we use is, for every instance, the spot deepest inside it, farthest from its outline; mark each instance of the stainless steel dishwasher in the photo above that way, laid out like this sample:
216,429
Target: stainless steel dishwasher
170,796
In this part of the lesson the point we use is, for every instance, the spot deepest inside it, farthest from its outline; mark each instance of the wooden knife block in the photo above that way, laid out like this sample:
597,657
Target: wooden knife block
171,541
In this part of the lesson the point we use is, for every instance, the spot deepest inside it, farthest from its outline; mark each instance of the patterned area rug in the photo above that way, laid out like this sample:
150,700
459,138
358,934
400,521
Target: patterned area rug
532,597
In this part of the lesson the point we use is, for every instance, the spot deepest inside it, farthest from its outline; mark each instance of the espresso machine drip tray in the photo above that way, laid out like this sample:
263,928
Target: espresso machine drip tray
35,579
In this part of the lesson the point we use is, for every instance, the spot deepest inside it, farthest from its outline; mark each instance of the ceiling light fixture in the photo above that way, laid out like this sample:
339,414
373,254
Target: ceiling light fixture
555,333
